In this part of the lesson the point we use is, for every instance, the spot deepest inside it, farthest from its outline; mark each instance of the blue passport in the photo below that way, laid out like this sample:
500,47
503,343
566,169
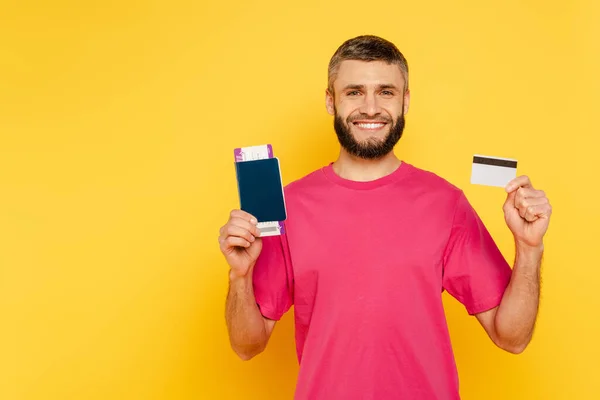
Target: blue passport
260,189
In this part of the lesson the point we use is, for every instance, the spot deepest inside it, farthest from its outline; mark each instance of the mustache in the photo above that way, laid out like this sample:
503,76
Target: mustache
365,117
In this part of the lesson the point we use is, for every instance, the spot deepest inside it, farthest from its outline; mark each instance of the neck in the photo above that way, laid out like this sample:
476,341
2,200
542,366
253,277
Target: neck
357,169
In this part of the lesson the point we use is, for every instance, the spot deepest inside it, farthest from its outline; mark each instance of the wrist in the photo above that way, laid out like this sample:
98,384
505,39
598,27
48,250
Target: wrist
236,277
526,249
528,256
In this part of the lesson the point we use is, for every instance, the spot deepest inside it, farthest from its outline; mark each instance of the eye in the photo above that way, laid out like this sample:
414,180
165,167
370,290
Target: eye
387,93
353,93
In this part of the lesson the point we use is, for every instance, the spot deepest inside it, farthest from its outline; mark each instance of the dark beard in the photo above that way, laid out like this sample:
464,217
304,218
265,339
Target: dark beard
371,149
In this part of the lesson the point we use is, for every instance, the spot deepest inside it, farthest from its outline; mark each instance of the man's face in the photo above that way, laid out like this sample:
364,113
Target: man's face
368,104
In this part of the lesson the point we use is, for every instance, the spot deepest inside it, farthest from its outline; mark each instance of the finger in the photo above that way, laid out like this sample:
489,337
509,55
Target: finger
242,223
223,233
523,204
518,182
233,241
236,231
538,193
546,211
525,197
527,193
527,213
531,201
243,215
531,206
538,211
510,201
530,214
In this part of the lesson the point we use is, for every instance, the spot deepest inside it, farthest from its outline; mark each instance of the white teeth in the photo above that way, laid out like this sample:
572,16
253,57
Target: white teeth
370,126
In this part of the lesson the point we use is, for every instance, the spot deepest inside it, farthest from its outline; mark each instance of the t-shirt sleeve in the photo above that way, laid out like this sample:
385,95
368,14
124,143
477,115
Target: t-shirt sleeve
273,279
475,272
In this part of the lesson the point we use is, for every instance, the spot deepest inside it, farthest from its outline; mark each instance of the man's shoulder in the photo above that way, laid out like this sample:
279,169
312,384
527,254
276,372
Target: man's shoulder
432,181
312,181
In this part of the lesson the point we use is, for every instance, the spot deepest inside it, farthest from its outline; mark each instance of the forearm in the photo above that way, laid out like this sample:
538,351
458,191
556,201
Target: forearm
245,323
517,313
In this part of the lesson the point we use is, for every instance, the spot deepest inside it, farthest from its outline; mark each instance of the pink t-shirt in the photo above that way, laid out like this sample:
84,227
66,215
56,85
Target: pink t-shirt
364,264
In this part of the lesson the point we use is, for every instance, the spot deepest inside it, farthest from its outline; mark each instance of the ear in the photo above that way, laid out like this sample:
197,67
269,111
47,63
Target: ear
329,102
406,101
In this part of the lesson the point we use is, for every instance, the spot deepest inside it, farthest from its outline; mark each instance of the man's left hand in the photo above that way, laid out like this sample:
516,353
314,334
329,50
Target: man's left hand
527,212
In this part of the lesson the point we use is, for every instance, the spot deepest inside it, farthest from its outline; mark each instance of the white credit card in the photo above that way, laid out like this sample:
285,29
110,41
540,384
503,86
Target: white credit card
493,171
261,152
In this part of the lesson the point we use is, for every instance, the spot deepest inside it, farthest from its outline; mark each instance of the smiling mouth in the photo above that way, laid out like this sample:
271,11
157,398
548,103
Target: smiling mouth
369,126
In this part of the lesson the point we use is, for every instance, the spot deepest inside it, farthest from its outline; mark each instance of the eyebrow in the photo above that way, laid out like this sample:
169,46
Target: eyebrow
362,87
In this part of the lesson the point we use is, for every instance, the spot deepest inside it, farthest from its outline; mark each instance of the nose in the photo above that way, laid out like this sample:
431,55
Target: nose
370,105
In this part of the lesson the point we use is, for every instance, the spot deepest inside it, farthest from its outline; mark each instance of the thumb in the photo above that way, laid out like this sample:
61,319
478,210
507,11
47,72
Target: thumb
510,201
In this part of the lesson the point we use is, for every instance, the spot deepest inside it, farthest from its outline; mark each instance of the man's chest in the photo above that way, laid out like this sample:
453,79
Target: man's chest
351,251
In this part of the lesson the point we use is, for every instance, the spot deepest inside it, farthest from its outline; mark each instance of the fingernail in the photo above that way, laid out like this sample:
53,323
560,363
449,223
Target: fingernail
252,238
254,221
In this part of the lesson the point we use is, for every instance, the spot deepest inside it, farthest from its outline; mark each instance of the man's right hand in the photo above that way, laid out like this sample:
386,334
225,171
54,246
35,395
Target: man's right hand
240,243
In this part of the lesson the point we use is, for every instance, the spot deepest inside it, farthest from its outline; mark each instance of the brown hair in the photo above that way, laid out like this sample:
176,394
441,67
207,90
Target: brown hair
367,48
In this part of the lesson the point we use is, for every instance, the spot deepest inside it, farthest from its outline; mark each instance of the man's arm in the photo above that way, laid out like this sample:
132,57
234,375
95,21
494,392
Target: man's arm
241,245
511,324
249,331
527,213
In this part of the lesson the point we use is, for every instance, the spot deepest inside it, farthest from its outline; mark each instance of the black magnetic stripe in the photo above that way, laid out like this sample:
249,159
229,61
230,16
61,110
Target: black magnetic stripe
494,161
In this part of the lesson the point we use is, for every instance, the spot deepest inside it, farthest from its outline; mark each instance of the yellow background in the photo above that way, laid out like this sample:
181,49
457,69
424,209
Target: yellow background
117,124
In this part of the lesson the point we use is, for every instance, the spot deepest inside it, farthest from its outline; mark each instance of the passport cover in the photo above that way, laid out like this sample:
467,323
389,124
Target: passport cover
260,189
